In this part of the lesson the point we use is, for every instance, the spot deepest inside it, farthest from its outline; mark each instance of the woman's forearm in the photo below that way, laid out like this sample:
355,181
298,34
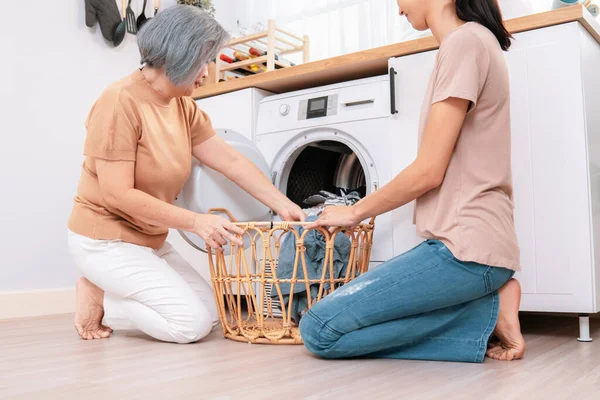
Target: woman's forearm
153,211
407,186
427,171
215,153
247,176
116,179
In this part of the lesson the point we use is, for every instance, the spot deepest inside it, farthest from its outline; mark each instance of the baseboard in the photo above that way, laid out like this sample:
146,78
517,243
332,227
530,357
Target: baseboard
561,315
35,303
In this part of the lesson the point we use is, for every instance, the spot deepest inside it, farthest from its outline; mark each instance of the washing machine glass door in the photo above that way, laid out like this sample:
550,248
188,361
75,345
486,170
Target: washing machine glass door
207,189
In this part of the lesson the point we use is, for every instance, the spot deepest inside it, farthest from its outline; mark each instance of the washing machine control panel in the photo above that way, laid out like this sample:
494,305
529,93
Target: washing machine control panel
317,107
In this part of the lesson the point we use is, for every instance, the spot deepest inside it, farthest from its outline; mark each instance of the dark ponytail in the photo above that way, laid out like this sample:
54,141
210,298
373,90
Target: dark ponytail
486,13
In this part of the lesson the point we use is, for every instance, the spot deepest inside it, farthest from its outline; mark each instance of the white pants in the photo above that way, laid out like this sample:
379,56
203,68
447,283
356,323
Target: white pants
155,291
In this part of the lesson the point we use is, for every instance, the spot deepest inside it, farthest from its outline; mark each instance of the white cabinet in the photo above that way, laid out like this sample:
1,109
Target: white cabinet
237,111
555,98
411,76
550,169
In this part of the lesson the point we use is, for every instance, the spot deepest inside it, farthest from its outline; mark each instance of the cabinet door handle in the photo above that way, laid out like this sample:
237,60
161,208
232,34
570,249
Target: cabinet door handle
393,91
358,103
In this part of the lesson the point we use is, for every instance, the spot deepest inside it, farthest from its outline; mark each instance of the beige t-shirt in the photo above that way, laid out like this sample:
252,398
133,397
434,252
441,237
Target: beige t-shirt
472,211
133,122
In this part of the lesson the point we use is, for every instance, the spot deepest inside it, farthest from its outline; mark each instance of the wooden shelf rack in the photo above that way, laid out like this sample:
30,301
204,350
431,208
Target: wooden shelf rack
274,43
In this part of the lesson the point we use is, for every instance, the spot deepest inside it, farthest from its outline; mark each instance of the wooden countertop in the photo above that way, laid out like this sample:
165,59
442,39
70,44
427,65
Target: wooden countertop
374,62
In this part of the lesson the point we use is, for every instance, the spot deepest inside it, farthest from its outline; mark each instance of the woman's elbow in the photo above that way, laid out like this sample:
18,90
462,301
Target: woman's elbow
112,201
432,179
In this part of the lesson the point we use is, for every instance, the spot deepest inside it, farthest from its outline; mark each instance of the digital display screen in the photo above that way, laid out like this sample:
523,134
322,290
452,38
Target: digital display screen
317,104
317,107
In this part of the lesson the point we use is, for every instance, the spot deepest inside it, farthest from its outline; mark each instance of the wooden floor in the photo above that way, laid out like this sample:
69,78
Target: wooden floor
43,359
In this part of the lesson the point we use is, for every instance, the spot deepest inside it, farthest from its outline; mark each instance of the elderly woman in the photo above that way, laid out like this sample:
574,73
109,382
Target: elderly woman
141,135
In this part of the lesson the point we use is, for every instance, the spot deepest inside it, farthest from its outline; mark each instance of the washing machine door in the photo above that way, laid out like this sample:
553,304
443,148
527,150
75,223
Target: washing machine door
207,189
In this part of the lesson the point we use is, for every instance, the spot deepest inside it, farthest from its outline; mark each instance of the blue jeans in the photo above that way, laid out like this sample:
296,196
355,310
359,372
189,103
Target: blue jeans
422,305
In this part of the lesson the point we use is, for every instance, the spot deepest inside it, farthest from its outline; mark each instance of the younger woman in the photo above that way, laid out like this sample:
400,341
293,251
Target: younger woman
443,299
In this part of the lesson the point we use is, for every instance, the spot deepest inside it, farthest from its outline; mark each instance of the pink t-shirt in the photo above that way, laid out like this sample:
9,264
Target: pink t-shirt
472,211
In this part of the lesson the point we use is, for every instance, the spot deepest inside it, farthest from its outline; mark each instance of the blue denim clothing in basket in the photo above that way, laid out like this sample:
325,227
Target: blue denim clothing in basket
315,254
422,305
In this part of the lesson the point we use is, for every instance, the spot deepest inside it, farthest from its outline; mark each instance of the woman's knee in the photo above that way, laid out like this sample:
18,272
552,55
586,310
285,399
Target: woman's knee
191,326
317,337
497,277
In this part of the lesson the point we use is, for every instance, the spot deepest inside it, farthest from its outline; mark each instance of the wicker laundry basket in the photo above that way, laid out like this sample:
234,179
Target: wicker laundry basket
252,306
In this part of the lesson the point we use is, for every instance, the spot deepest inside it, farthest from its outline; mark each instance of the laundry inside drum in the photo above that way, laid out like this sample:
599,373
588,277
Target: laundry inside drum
324,165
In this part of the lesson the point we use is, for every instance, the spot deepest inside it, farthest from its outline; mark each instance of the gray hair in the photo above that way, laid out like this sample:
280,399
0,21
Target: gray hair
181,40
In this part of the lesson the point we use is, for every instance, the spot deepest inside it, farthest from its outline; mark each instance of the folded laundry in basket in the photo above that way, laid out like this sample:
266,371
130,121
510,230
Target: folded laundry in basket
315,254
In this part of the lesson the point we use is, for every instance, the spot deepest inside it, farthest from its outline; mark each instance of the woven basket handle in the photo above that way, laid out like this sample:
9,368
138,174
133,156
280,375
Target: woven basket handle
233,219
222,211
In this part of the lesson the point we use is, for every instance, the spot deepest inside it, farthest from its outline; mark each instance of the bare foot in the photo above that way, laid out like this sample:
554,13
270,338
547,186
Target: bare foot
510,345
89,311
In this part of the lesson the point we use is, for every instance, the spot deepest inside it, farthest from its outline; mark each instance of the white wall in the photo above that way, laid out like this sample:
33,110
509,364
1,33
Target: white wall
228,13
53,68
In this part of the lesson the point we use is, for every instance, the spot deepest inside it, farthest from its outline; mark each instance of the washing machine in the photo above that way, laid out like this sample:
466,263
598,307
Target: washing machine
341,136
337,136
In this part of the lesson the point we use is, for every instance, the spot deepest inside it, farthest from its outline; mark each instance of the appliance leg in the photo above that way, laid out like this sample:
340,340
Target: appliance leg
584,328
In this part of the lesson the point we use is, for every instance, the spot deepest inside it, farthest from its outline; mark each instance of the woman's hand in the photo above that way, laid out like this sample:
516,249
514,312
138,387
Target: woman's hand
216,231
290,212
334,216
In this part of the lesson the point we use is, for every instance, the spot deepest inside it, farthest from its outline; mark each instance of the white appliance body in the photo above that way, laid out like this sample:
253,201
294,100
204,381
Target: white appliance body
357,115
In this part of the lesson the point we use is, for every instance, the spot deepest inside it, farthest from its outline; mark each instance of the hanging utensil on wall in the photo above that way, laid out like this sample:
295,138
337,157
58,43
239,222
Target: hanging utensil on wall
131,22
141,20
155,11
122,27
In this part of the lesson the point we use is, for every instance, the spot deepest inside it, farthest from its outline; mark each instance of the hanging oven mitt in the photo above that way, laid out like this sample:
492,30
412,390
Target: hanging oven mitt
106,13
